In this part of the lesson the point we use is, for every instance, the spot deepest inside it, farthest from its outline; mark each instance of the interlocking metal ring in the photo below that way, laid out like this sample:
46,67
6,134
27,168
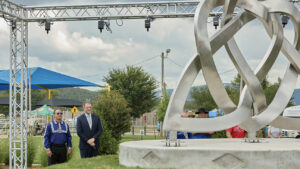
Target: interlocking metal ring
252,98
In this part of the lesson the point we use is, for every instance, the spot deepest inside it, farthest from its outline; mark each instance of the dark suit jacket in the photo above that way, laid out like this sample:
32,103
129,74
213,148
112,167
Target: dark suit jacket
85,133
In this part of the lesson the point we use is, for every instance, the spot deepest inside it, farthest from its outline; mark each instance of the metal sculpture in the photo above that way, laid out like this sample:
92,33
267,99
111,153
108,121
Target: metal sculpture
252,113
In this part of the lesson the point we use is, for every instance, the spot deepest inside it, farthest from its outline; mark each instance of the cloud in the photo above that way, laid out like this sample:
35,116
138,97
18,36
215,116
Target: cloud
78,49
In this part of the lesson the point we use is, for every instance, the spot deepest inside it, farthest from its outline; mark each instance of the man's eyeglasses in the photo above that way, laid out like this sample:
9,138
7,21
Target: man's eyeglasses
59,113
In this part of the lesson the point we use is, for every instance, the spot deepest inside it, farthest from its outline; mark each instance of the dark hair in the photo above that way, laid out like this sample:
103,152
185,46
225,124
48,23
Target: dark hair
56,110
201,110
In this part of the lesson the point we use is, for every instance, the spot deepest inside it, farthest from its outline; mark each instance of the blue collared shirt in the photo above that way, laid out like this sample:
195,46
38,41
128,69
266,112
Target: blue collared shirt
199,136
57,133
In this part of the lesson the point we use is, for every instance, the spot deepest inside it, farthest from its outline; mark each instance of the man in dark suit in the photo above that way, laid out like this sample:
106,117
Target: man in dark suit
89,129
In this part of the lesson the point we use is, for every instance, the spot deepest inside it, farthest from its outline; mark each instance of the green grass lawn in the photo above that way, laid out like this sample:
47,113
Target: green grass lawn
75,162
106,162
137,137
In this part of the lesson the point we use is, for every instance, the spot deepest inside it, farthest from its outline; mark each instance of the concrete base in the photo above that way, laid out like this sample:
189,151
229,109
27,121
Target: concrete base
212,154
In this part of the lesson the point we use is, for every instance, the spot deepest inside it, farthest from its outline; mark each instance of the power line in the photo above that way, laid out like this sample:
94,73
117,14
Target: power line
172,61
226,71
146,60
92,75
103,72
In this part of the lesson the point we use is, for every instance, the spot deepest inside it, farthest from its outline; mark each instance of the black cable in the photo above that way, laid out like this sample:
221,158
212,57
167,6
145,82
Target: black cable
6,20
146,60
172,61
226,71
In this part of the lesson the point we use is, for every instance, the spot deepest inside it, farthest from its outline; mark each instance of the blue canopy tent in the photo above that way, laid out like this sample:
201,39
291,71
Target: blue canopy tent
4,85
49,79
46,79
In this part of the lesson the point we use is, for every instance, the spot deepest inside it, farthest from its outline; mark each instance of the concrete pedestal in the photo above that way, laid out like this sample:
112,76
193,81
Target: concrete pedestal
212,154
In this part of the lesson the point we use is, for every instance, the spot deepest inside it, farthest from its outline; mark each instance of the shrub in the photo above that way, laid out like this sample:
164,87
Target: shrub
4,153
1,148
113,109
30,151
108,144
220,134
44,158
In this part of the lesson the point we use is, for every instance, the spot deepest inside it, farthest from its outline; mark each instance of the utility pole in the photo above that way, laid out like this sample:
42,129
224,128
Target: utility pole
162,74
163,84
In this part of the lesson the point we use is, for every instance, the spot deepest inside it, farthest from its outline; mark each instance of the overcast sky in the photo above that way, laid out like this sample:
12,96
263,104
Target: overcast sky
78,49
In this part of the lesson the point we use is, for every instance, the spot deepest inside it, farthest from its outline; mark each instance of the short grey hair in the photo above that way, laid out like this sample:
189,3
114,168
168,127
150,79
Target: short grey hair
86,102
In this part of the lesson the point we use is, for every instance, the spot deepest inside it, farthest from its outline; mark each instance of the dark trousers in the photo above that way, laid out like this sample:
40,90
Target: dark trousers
59,154
88,152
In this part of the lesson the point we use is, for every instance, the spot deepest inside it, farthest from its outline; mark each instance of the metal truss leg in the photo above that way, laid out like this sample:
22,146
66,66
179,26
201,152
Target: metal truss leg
18,95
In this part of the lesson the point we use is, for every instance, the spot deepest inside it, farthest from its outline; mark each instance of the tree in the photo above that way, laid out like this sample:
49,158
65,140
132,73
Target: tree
236,82
202,98
233,93
113,109
4,108
162,107
37,95
271,90
137,87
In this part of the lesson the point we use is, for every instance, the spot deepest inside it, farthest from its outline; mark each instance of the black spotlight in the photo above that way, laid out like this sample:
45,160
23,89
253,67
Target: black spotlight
216,22
147,24
13,25
284,20
101,24
47,26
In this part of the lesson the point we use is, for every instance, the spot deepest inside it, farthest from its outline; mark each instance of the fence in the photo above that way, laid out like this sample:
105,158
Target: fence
144,130
135,130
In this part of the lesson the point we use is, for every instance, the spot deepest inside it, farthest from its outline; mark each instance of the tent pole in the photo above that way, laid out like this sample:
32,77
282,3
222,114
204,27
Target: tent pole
48,91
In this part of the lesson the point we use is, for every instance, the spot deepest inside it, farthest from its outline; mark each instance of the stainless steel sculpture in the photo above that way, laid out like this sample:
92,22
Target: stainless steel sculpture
252,99
18,17
21,15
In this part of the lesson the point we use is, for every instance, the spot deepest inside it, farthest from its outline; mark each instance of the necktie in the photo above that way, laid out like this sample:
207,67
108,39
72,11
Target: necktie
90,121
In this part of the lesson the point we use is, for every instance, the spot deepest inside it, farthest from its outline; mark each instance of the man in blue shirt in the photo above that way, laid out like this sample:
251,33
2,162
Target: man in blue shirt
57,135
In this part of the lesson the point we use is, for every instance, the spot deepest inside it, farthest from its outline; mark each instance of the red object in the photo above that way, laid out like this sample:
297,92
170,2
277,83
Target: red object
237,132
144,117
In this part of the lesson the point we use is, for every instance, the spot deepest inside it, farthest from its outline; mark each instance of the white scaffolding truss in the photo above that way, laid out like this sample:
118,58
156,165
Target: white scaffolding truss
18,94
19,16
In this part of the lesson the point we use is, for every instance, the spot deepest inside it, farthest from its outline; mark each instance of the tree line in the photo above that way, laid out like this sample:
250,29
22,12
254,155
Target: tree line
133,94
